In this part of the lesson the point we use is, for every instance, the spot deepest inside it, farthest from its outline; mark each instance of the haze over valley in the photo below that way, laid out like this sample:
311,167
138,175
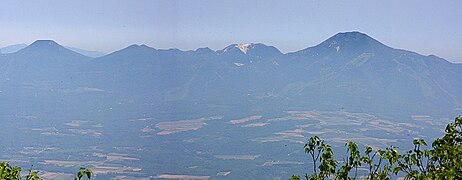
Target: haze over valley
243,111
203,90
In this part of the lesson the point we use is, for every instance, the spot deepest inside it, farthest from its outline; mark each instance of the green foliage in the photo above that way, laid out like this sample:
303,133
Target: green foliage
321,154
82,172
445,159
353,161
32,175
442,161
294,177
8,172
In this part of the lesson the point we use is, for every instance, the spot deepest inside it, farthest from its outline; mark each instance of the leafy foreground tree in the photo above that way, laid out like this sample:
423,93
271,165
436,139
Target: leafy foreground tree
442,161
8,172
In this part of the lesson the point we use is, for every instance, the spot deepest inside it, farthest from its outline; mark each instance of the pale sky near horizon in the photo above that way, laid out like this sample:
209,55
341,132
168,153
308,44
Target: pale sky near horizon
426,27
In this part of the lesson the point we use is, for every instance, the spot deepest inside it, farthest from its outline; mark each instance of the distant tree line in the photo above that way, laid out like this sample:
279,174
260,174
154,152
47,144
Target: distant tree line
443,160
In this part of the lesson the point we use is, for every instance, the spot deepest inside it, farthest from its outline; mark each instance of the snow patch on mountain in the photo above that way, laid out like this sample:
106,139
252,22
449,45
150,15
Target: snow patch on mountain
243,47
335,45
239,64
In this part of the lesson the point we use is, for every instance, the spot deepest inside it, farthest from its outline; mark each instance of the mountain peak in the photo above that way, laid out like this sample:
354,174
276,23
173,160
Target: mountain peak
45,41
244,47
351,41
352,35
250,49
48,48
204,49
136,46
132,50
44,44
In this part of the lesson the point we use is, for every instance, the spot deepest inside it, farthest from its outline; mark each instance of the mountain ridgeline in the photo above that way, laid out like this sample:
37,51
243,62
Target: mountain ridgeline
349,70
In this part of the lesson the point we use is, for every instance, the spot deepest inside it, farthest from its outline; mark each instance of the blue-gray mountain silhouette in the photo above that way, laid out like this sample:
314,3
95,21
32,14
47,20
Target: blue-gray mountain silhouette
12,48
16,47
349,70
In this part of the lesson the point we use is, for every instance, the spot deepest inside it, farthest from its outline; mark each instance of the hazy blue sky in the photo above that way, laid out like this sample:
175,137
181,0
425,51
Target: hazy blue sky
427,27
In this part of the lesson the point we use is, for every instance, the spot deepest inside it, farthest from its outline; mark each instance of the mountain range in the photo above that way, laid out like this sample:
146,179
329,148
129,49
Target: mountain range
349,70
16,47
